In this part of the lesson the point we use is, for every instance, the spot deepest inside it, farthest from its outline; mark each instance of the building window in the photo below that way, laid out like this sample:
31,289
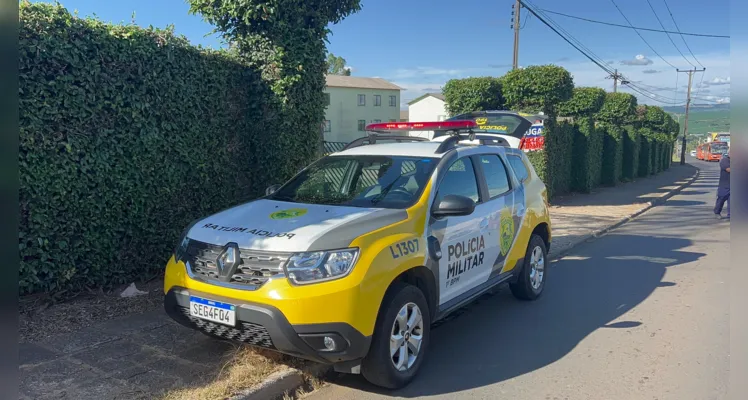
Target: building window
393,120
361,125
327,99
377,100
376,121
403,120
362,99
327,126
393,101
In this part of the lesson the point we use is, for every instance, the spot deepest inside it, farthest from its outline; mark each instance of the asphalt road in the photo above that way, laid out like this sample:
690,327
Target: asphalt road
640,313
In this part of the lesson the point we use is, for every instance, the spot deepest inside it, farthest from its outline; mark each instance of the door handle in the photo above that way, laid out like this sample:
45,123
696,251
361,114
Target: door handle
521,211
484,223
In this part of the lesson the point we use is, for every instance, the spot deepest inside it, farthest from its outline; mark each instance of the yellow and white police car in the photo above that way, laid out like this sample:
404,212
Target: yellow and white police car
351,261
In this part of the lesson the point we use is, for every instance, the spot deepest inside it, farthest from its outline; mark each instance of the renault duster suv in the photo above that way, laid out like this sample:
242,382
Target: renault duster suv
351,261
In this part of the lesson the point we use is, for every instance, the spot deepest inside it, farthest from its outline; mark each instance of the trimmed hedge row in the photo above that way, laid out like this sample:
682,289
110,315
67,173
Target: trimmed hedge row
127,134
606,139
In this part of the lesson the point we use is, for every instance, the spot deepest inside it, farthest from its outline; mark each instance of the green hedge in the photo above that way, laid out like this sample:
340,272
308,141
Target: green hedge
473,94
587,155
612,165
559,138
539,160
645,157
631,146
128,134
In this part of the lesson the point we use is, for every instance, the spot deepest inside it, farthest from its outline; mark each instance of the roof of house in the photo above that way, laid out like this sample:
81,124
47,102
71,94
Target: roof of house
359,82
437,95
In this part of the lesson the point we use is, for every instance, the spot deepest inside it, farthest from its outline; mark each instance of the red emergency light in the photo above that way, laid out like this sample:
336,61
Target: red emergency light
422,126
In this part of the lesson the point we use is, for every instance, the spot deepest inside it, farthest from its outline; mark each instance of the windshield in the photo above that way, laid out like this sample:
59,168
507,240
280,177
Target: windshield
360,181
720,148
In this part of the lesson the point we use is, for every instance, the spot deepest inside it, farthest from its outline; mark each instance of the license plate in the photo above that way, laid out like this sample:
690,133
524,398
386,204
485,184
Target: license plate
211,310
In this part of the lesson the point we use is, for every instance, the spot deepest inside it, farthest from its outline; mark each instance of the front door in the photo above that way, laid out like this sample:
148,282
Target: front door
465,243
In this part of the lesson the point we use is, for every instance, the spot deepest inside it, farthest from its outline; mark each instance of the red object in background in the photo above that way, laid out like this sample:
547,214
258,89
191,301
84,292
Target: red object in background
532,143
421,126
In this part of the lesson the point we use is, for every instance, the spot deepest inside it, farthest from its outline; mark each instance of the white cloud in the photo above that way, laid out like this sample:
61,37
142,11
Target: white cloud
640,59
718,81
408,73
651,71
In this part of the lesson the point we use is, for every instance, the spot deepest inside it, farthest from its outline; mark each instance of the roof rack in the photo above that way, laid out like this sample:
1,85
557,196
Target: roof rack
484,139
372,138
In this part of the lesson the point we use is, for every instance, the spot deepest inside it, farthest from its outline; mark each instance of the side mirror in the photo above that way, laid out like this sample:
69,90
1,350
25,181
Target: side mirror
453,205
272,189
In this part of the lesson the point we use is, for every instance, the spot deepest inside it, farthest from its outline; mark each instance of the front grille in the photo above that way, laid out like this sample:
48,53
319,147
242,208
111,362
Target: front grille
245,332
256,266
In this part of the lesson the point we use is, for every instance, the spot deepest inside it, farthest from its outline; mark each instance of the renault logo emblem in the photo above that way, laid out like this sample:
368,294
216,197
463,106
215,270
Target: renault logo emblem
228,260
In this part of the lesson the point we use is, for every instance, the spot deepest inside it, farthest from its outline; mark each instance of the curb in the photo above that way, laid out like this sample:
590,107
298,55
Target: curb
647,206
278,384
285,382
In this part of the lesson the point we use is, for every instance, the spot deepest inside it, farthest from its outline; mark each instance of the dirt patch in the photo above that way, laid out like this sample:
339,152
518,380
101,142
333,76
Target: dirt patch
40,319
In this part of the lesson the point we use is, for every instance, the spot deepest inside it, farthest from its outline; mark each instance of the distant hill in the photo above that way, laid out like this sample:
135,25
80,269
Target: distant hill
703,118
697,107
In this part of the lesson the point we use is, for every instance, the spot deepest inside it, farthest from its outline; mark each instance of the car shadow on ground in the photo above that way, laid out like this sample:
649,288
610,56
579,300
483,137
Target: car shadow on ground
499,338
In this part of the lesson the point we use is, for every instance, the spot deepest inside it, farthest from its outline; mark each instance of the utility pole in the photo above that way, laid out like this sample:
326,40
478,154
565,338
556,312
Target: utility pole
517,5
615,76
690,73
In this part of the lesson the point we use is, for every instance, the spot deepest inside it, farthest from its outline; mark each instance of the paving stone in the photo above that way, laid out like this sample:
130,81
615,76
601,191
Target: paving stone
54,376
67,343
135,323
30,353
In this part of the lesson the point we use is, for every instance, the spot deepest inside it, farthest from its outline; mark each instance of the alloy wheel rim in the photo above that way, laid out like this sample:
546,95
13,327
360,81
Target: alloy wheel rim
406,337
537,267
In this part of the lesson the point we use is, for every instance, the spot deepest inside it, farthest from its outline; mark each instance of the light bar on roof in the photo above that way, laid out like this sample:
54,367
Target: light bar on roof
422,126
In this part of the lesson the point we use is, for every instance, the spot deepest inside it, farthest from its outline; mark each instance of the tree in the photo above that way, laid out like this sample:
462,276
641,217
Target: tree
337,65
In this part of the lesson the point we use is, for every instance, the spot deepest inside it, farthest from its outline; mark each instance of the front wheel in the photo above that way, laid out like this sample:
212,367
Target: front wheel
531,281
400,338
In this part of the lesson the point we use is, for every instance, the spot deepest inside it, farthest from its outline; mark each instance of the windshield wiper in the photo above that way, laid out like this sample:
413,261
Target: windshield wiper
376,199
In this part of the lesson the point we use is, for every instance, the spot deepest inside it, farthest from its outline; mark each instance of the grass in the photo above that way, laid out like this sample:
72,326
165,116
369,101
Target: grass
245,368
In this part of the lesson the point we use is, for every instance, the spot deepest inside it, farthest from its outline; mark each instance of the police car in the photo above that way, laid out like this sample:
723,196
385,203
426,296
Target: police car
351,261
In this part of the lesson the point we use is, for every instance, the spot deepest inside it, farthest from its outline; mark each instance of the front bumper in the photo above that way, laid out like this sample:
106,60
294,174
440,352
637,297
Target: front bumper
265,326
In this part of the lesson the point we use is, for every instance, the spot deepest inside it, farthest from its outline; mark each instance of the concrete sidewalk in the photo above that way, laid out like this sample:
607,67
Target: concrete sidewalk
143,355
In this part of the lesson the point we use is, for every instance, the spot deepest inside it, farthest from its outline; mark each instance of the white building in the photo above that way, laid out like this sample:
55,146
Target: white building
352,102
429,107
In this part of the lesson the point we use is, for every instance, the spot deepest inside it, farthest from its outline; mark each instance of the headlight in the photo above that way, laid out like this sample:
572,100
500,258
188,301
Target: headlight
184,242
320,266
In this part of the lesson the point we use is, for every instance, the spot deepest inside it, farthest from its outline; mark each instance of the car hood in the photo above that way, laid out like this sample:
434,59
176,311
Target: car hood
271,225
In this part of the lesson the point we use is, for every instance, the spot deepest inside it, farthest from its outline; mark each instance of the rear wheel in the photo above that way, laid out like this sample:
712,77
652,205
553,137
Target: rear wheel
400,338
531,281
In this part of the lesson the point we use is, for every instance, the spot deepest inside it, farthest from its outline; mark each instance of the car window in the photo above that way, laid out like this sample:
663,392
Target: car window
459,180
360,181
519,167
496,175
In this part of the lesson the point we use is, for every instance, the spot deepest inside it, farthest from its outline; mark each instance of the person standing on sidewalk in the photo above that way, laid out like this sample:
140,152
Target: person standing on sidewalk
723,189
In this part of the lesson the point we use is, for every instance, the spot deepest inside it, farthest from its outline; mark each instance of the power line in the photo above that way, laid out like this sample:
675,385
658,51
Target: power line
525,23
587,51
640,35
681,35
668,35
563,37
631,27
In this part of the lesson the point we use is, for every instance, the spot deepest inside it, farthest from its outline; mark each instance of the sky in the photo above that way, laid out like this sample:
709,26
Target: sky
421,44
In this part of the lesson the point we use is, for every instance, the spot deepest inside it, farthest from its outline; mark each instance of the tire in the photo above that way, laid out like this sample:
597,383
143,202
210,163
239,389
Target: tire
379,367
530,284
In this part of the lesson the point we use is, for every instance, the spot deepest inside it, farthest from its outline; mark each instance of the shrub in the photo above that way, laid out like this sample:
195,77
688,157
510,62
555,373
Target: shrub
645,157
473,94
630,153
612,164
587,140
618,109
128,134
559,137
537,88
587,155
